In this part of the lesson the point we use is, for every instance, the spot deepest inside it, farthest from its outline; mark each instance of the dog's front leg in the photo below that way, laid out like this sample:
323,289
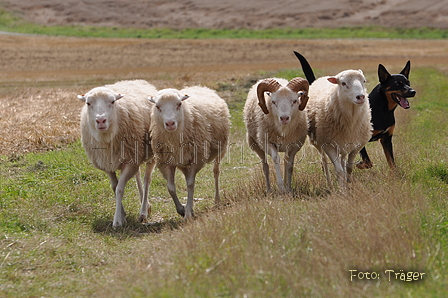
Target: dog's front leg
365,163
386,141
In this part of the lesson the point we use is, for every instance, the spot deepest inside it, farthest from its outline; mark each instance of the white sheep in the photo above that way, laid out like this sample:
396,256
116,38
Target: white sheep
275,123
189,129
339,120
115,123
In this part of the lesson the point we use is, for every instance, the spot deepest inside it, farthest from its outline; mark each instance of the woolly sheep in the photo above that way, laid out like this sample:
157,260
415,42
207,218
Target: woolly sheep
278,125
190,128
115,136
339,120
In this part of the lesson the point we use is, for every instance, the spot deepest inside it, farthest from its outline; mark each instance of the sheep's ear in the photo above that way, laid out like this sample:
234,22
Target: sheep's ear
152,99
184,97
360,71
118,96
303,99
82,97
333,80
383,74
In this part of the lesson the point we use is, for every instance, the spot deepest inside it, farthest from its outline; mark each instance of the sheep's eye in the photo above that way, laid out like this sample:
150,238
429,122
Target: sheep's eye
88,103
158,108
274,102
344,84
295,101
178,105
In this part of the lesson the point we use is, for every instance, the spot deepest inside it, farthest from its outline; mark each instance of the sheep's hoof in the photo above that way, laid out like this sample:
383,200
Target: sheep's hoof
118,223
364,165
143,219
283,191
189,218
181,212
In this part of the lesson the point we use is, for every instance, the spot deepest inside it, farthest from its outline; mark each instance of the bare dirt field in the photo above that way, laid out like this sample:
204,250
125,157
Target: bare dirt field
41,76
252,14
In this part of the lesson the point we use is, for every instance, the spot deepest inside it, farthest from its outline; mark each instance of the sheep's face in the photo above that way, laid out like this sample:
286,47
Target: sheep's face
285,103
351,86
168,110
100,105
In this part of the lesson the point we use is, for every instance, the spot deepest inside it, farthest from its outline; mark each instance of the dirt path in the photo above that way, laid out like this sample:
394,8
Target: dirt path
35,59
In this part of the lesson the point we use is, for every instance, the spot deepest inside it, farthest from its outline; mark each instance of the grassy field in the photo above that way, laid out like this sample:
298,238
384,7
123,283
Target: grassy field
56,212
12,23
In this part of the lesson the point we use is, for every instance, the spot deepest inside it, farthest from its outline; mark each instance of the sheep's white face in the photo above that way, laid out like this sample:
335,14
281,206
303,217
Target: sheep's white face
168,110
100,104
284,104
351,85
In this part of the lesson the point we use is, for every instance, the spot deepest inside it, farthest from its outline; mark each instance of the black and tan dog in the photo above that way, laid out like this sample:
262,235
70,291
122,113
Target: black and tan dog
393,90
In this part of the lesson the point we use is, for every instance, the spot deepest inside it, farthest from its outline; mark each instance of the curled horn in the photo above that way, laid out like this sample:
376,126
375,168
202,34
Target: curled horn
269,85
300,84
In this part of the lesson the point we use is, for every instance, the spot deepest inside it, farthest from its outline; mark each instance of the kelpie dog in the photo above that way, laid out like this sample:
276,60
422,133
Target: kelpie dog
393,90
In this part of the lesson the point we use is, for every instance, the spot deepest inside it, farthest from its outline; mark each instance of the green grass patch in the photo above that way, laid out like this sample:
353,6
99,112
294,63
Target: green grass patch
12,23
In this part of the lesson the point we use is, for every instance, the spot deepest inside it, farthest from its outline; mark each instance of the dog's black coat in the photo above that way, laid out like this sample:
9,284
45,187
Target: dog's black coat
393,90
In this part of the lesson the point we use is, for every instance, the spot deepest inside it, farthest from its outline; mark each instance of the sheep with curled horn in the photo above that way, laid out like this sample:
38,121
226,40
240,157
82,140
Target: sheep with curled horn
276,122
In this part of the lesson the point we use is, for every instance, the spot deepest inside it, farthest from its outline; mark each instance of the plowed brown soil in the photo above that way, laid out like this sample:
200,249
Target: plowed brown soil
254,14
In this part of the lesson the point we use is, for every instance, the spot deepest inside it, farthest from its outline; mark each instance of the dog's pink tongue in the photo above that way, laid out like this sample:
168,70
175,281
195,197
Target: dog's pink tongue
404,103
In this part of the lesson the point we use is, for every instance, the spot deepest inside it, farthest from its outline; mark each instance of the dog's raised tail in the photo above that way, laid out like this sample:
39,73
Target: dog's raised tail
307,70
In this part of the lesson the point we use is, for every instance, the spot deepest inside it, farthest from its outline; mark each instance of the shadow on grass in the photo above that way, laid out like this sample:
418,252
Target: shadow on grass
133,228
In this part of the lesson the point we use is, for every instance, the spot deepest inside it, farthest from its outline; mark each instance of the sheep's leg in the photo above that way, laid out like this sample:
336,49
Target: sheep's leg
168,172
333,155
326,171
127,172
254,146
113,180
216,176
190,176
145,210
289,164
138,180
350,164
344,165
276,159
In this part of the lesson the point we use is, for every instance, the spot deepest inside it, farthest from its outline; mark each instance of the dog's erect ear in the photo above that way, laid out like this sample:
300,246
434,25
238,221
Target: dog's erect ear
383,74
406,70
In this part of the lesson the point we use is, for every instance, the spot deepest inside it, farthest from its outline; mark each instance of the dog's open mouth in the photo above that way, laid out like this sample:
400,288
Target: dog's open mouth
402,101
